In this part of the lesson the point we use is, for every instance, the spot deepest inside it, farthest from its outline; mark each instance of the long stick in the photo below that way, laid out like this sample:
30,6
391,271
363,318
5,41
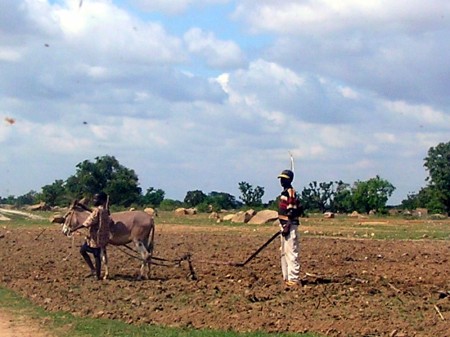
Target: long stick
439,312
292,162
37,237
258,251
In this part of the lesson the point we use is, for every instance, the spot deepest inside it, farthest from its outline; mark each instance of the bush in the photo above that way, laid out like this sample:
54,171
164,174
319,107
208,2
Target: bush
170,205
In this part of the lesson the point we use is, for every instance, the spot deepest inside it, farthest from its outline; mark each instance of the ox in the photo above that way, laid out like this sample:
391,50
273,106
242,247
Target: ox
137,227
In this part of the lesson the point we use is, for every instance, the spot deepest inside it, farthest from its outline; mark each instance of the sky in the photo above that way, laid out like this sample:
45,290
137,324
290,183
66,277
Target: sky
204,94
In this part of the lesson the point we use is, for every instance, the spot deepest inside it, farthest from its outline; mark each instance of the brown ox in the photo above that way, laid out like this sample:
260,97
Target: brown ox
137,227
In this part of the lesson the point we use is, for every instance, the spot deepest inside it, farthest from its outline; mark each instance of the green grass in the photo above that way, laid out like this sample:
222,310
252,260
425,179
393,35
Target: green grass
380,228
66,325
369,227
18,220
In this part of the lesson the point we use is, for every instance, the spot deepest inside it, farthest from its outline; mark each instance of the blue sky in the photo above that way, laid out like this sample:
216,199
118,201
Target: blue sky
204,94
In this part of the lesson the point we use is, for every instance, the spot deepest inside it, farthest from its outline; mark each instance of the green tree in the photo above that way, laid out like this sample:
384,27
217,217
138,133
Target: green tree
427,197
411,202
29,198
342,201
217,201
318,196
372,194
221,200
437,163
9,200
108,175
55,194
194,198
153,197
250,196
169,205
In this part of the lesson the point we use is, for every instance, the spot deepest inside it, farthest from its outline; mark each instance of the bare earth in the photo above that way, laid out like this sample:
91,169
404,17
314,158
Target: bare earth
19,326
351,287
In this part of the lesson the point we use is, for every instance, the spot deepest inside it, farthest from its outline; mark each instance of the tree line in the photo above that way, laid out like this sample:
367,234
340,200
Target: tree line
122,185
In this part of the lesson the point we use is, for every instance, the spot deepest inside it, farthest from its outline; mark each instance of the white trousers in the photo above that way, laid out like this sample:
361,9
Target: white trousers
290,265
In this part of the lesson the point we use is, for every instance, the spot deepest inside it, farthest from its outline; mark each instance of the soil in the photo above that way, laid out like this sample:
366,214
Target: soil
351,287
13,325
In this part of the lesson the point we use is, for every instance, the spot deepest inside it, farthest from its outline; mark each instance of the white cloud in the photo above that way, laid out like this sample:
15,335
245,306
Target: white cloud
9,55
172,6
364,164
368,97
217,53
100,27
348,92
328,16
394,49
420,113
384,137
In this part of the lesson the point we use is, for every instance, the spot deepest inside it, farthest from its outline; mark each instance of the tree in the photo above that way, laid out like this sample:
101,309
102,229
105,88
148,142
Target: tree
194,198
216,201
25,199
108,175
318,196
427,197
438,165
55,194
169,205
153,197
221,200
251,197
9,200
342,201
372,194
29,198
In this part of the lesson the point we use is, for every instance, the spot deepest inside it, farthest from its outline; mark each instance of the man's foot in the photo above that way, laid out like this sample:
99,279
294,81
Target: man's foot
91,274
292,284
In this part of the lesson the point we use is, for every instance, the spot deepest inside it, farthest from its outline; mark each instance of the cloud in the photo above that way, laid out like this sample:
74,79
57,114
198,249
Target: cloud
352,89
172,7
394,49
9,55
217,53
102,28
328,17
270,87
420,114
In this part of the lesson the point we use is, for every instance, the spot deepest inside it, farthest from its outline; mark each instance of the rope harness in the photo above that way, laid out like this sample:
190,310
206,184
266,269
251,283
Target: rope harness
162,262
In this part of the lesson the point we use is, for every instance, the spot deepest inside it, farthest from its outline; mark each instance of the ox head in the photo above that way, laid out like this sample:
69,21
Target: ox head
67,219
74,217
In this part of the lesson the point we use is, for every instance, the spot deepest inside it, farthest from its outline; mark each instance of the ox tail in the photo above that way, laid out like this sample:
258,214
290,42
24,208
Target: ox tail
150,239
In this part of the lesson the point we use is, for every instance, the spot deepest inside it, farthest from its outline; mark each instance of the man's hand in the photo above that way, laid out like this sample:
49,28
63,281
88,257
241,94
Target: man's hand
286,228
75,229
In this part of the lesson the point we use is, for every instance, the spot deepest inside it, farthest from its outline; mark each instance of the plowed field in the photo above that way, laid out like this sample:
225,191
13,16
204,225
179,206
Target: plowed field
352,287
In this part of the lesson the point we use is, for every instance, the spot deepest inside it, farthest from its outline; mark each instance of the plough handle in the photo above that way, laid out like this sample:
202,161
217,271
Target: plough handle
258,251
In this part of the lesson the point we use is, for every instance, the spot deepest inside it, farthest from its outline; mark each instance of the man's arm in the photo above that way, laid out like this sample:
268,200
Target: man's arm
90,221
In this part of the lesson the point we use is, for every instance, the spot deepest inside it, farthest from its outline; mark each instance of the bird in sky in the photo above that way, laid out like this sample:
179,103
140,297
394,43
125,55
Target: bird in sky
10,120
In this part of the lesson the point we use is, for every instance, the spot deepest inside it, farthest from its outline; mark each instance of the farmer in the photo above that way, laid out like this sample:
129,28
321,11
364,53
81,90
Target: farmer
98,224
288,215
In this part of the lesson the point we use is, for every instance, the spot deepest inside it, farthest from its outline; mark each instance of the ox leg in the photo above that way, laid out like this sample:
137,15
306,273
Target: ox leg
142,249
104,257
150,246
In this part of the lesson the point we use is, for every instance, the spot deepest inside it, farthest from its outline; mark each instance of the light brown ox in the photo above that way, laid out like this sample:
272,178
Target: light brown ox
137,227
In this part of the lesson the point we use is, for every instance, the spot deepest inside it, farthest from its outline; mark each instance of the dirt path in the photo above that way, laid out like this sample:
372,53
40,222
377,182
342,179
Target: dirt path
19,326
16,212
